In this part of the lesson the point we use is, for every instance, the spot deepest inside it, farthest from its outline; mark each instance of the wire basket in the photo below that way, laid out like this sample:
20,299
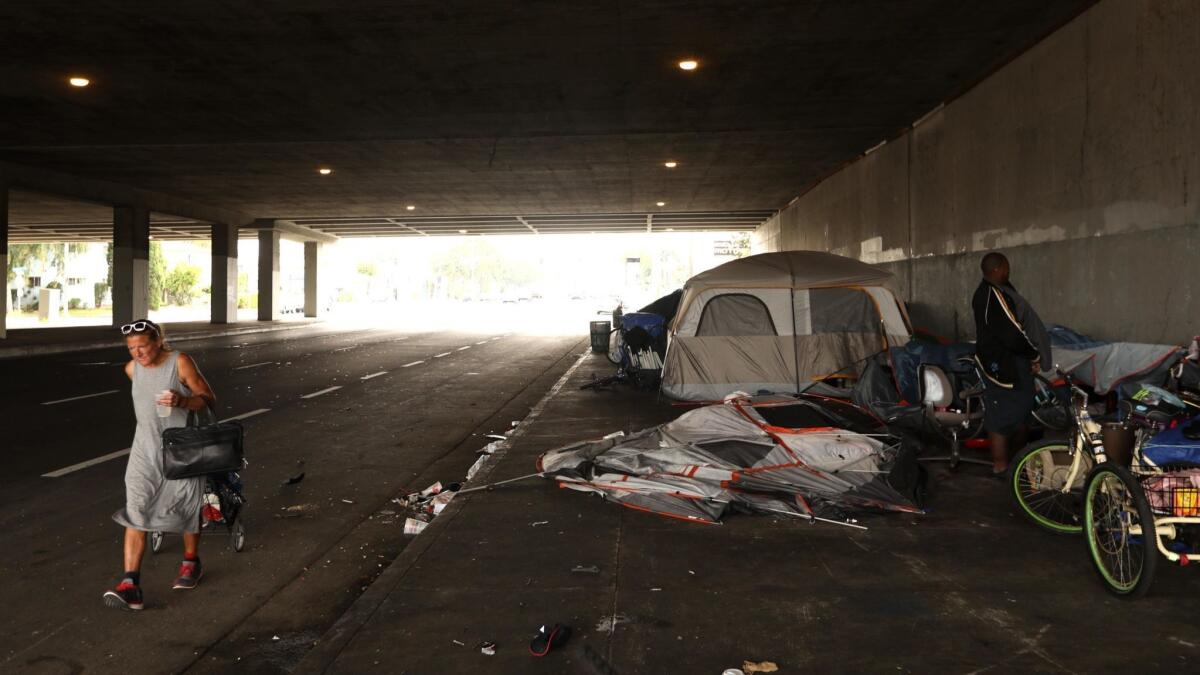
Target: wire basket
1174,493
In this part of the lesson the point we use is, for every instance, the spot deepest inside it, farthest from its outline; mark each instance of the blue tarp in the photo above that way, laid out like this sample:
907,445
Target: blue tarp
1170,446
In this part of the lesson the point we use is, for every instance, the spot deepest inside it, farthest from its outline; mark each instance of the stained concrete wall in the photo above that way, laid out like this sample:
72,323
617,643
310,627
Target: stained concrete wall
1080,160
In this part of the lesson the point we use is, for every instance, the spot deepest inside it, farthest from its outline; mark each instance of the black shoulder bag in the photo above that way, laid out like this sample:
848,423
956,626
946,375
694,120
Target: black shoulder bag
204,446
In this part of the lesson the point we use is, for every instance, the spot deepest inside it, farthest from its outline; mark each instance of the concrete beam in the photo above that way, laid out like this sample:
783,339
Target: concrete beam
268,275
4,260
292,231
105,192
224,273
131,264
312,261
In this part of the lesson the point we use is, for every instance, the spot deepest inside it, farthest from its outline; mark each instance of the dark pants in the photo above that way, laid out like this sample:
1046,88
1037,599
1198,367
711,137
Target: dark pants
1005,410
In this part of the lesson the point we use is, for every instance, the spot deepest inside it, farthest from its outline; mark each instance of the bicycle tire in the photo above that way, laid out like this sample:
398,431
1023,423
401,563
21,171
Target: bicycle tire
1056,415
1035,478
614,344
1113,497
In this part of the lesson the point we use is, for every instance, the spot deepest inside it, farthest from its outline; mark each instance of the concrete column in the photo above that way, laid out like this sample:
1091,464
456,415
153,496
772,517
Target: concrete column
131,264
224,273
312,257
268,275
4,294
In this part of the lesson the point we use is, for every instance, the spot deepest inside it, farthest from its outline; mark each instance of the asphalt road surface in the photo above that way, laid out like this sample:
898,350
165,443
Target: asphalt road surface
372,414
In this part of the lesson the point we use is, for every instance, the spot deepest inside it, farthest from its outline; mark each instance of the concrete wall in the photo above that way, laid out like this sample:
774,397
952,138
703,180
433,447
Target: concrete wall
1080,160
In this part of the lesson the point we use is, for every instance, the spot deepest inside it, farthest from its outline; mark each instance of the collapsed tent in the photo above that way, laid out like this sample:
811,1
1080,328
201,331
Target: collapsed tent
766,454
777,322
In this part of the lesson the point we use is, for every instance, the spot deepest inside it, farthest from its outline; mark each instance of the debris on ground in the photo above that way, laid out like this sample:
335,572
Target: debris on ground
347,501
539,522
294,479
488,649
414,526
591,569
476,466
549,638
597,662
460,644
759,667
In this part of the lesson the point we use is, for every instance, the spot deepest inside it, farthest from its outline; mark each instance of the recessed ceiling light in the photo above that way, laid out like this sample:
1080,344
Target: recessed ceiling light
410,207
462,231
324,171
671,165
688,64
660,203
79,81
670,229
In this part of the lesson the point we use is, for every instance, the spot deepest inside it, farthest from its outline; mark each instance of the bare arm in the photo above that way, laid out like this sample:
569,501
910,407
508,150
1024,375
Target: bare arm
202,393
129,370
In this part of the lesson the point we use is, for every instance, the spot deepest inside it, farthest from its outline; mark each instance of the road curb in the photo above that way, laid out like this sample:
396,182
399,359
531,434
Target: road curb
41,350
338,637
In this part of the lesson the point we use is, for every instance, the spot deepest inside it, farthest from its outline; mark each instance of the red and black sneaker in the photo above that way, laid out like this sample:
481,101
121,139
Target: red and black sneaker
189,575
126,595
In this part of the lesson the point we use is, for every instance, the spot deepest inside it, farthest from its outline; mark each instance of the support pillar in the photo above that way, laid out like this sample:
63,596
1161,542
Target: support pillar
131,264
268,275
224,273
4,260
312,257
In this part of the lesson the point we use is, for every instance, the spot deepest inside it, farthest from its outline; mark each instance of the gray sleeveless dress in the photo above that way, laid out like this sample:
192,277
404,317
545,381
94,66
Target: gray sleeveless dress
153,503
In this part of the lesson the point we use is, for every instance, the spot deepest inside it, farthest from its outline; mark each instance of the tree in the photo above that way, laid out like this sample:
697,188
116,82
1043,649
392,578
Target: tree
158,273
180,285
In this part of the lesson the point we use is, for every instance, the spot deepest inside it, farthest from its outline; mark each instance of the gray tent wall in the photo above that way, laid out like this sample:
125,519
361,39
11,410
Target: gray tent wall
777,321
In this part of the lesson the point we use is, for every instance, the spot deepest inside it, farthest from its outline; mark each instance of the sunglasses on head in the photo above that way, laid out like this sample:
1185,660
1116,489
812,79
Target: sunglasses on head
139,327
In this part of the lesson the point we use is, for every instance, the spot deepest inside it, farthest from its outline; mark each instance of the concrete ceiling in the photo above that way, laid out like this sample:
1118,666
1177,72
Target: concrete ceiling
550,109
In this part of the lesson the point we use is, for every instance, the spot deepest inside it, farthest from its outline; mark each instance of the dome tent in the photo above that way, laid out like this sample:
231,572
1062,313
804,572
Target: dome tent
777,322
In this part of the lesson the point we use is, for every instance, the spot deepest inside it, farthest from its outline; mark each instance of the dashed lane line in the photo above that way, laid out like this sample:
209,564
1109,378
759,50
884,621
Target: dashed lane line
372,375
438,356
78,398
322,392
247,415
410,365
255,365
463,349
83,465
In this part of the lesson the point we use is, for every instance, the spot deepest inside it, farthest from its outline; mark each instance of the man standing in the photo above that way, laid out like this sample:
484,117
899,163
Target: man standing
1011,345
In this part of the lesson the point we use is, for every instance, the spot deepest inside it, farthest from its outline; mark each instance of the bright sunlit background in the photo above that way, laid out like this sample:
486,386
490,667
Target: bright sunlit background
533,284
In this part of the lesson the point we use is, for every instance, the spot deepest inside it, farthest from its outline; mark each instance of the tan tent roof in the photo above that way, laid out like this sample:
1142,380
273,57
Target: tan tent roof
792,269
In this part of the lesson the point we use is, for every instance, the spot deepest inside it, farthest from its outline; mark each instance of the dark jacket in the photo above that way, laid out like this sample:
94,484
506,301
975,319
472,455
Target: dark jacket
1008,333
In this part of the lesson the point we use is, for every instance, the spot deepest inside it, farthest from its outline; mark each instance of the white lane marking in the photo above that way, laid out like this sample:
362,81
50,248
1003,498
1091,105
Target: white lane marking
83,465
464,348
255,365
343,349
243,416
322,392
76,398
400,339
497,338
367,377
438,356
410,365
481,342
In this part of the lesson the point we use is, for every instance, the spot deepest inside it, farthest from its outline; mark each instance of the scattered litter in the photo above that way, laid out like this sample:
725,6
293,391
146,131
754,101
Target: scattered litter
414,526
548,639
476,467
294,479
540,522
615,434
733,671
515,423
488,649
438,503
491,448
580,569
387,512
347,501
274,637
609,623
460,644
299,508
691,572
432,489
497,437
655,589
759,667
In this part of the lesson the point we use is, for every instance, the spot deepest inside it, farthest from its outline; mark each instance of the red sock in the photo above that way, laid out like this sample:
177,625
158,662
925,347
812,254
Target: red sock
191,557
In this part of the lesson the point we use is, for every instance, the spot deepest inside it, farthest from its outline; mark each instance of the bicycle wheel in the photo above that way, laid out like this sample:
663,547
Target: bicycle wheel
156,541
1051,409
1037,477
1114,505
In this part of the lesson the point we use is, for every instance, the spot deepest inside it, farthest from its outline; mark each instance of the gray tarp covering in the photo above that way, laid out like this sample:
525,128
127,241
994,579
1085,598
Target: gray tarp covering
698,466
1105,366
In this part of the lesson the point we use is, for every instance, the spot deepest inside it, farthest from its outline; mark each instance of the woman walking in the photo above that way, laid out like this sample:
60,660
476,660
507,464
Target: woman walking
166,385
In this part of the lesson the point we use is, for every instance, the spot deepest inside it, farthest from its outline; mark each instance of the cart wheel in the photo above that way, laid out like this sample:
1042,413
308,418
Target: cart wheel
237,536
156,542
1114,503
1036,479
